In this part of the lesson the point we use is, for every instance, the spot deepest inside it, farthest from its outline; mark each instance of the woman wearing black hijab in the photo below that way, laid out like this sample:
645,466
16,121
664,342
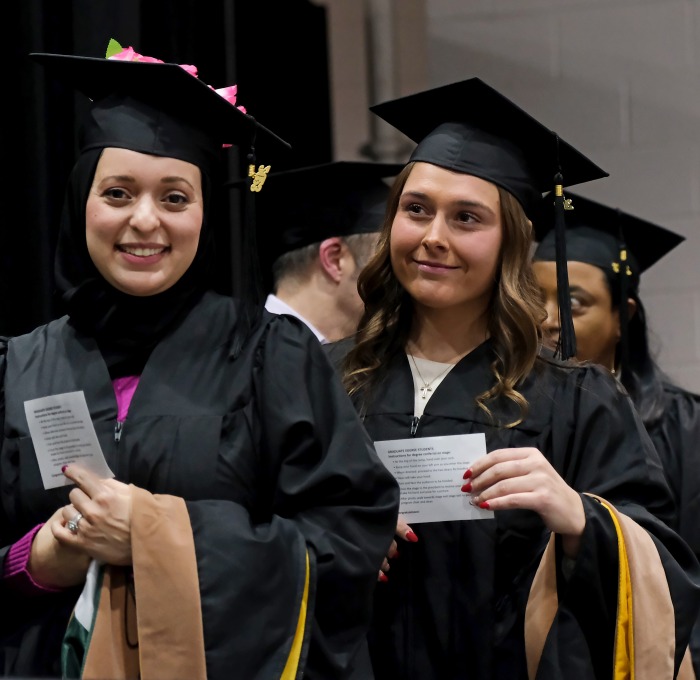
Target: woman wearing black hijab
248,513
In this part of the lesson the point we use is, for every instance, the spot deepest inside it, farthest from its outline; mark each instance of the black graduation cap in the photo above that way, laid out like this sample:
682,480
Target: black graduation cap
470,127
306,205
157,108
620,244
596,233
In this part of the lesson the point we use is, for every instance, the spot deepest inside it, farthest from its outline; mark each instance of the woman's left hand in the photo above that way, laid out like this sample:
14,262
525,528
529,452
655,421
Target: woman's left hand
104,531
523,478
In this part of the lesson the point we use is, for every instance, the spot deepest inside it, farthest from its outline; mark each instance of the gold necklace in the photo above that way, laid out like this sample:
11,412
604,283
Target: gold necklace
427,385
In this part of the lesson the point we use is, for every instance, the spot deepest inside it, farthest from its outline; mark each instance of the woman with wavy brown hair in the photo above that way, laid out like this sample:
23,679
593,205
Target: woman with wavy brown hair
509,564
514,314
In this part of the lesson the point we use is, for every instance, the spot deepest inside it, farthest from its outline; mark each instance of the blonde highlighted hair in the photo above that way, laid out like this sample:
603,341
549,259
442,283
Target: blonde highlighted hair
515,314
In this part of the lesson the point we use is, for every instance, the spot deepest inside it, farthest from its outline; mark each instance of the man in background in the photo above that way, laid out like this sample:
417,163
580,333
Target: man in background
317,228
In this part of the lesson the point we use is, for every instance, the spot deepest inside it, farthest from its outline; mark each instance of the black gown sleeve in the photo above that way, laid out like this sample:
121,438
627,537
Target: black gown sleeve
328,494
30,636
676,436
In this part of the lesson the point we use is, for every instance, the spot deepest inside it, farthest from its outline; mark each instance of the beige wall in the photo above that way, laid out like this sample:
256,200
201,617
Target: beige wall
378,51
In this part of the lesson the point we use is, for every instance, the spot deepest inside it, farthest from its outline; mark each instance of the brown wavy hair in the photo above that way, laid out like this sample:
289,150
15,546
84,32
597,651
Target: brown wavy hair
515,313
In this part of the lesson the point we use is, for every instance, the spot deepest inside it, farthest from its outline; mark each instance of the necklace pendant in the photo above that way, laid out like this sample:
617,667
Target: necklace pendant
424,391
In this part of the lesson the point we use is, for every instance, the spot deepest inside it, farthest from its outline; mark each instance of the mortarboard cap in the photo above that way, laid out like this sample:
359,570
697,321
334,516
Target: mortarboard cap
306,205
595,233
153,107
470,127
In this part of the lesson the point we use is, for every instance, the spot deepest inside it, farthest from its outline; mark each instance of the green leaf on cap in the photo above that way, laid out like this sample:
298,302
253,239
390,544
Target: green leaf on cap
113,48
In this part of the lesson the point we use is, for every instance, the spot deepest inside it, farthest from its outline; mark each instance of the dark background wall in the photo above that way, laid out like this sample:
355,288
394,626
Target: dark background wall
280,67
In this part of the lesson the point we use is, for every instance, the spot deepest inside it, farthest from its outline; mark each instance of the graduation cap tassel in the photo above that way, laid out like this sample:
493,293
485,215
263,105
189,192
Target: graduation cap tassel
623,311
250,262
566,347
250,241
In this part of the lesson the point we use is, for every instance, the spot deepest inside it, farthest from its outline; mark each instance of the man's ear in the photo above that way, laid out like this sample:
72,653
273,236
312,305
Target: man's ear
330,253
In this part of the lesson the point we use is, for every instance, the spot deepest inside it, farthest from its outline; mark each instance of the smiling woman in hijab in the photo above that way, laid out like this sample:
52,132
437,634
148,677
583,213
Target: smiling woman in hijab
244,512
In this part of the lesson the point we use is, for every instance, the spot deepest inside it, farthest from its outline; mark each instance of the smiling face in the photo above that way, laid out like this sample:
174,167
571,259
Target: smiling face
143,220
596,322
446,240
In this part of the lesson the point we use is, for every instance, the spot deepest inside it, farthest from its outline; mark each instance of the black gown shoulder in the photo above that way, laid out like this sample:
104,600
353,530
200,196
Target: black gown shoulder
454,604
270,458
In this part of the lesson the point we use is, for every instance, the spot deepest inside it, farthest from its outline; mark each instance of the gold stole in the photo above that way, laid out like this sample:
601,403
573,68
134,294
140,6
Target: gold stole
645,639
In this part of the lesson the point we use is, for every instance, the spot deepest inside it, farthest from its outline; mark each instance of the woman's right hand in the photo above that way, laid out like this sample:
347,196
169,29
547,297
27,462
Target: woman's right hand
405,533
52,564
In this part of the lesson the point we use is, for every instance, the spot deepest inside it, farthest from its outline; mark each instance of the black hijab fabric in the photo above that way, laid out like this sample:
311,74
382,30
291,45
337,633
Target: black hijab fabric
126,327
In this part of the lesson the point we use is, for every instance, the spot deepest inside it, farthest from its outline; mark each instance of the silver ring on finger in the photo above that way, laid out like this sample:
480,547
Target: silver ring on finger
72,524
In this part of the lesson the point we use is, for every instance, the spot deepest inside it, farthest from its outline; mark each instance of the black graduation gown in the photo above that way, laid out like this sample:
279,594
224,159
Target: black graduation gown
676,436
454,604
267,451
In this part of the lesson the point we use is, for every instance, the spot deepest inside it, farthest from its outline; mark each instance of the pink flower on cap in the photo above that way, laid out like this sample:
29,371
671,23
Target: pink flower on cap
118,53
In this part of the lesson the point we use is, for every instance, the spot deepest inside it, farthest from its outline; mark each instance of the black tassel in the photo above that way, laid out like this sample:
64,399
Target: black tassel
251,260
252,303
566,347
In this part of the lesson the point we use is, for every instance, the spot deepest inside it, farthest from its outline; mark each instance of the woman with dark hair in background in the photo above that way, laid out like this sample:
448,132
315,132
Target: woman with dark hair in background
602,243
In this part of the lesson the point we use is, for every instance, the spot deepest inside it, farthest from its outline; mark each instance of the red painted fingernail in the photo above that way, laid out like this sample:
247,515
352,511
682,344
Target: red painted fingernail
467,474
383,577
395,555
484,505
410,536
467,487
64,468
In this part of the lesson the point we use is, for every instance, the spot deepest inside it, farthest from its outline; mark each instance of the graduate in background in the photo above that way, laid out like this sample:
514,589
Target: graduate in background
317,228
450,344
249,512
607,251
